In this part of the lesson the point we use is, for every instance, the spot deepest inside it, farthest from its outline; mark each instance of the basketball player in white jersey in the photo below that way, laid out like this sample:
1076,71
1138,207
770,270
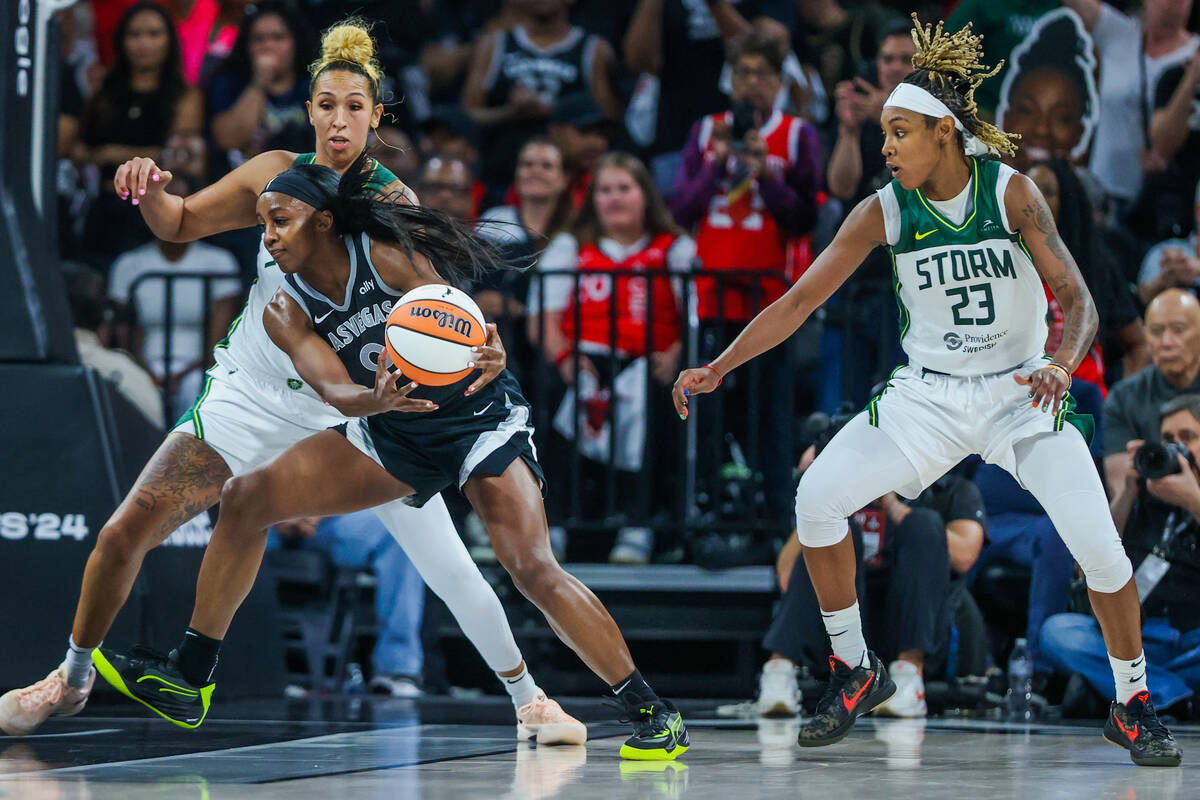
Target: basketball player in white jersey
969,239
253,407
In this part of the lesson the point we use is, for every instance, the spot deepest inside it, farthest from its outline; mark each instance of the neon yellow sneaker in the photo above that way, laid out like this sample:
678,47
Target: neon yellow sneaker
154,680
658,734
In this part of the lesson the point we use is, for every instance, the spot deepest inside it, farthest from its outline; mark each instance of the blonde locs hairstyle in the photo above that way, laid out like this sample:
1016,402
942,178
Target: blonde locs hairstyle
949,67
586,226
348,46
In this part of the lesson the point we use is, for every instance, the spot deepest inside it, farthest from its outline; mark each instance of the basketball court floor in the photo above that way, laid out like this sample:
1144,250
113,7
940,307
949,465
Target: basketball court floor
339,749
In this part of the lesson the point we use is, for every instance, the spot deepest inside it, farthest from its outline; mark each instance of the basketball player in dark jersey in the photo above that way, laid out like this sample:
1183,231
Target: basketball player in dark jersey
348,255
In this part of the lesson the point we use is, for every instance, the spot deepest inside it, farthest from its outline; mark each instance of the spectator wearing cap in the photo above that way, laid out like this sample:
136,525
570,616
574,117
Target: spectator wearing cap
748,187
517,78
450,133
446,185
582,132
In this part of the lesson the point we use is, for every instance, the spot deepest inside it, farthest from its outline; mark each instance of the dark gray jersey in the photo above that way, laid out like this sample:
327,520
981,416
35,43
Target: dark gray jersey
355,327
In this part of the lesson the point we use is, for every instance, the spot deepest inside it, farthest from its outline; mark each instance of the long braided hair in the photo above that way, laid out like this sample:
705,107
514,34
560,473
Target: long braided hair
949,67
456,252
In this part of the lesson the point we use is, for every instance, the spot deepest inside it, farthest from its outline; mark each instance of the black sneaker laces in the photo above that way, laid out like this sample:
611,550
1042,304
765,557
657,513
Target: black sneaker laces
143,652
1147,718
833,691
647,717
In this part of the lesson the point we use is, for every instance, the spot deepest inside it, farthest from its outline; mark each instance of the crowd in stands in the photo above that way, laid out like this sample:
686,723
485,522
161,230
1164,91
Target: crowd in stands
718,143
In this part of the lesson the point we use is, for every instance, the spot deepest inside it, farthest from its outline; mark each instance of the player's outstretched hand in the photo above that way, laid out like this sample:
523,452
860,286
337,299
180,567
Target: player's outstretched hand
390,395
137,176
701,380
1047,387
491,359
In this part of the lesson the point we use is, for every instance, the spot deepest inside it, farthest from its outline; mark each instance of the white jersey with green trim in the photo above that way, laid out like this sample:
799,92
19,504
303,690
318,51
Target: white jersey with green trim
247,345
971,301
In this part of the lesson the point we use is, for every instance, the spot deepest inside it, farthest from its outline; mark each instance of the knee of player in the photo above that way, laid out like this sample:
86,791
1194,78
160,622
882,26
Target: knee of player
535,574
819,499
238,495
124,541
1106,571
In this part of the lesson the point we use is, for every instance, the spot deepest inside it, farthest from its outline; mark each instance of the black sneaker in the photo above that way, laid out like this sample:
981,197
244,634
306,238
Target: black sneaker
850,694
154,680
658,734
1135,727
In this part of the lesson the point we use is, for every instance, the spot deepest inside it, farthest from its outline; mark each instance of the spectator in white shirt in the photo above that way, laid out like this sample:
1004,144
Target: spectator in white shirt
195,325
1160,40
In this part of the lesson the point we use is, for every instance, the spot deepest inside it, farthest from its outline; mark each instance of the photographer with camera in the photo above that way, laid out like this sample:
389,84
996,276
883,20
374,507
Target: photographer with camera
912,557
748,187
1158,515
1131,410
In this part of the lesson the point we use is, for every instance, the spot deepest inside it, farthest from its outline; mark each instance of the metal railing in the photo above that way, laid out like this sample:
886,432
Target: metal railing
686,475
205,284
710,474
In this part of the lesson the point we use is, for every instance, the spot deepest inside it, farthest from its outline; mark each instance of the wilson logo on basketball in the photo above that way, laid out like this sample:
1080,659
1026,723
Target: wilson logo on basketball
460,325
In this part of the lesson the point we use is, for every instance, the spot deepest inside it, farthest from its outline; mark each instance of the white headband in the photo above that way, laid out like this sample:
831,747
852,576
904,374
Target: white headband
914,98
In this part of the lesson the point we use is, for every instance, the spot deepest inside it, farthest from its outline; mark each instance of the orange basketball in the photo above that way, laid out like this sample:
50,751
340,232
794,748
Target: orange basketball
430,333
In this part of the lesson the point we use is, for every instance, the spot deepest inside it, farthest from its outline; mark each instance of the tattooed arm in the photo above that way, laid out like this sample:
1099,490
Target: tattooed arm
1031,217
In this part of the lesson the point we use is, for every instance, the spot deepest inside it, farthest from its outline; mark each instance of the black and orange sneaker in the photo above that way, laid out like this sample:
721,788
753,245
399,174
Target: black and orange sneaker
1135,726
850,694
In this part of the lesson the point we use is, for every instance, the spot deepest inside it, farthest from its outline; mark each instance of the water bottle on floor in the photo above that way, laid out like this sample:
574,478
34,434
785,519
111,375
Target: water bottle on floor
1020,684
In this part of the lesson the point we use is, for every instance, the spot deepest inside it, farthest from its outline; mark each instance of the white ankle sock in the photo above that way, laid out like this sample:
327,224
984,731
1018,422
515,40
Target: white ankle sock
520,687
1129,676
79,663
845,634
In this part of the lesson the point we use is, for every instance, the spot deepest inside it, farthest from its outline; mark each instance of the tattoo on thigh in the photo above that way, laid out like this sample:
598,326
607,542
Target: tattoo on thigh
185,474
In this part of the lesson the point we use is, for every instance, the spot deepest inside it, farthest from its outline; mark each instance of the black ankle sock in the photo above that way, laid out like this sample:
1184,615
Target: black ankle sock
634,692
197,656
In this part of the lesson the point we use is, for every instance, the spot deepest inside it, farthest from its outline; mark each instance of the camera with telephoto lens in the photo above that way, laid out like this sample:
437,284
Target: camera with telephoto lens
1160,459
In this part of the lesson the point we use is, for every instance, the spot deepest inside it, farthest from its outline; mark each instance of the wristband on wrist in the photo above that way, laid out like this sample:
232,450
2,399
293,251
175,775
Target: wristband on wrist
563,355
720,377
1063,370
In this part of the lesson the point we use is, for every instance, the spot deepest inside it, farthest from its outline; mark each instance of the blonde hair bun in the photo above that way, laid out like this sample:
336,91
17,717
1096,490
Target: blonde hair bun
349,42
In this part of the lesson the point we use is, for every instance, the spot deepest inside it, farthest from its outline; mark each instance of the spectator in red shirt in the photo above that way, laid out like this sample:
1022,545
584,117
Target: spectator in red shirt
623,226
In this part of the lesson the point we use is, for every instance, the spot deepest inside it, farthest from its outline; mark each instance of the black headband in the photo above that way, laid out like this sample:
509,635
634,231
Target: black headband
295,184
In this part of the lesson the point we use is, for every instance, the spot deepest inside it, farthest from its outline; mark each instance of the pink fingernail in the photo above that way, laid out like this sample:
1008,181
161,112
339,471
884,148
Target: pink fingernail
135,201
156,177
141,191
